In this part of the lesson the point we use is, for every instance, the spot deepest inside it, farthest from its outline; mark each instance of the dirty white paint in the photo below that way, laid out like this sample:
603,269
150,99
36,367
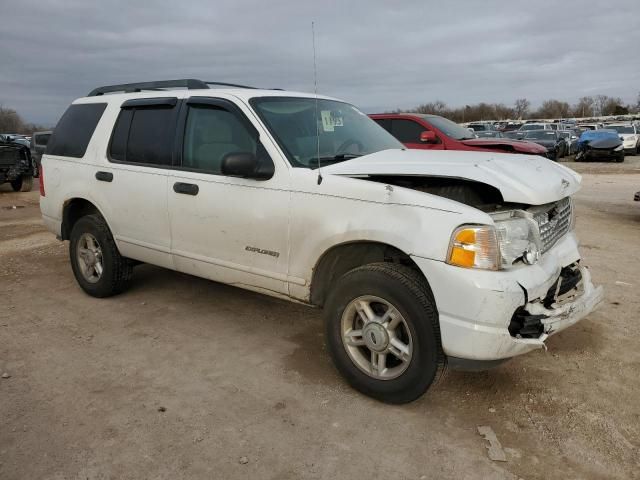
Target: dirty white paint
297,220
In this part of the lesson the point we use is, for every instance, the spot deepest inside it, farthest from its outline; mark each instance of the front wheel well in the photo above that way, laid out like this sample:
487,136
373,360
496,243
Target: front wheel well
74,210
340,259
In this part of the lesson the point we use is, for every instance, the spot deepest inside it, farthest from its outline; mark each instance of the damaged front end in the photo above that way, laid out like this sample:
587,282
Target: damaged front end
571,297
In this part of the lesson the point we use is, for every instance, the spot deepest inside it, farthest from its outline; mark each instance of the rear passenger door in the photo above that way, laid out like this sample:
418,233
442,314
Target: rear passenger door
229,229
135,183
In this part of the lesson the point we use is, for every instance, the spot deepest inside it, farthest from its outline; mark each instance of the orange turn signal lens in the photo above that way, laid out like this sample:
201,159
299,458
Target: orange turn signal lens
474,246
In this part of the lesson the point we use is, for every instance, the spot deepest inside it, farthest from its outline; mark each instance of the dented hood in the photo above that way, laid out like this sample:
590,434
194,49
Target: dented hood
520,178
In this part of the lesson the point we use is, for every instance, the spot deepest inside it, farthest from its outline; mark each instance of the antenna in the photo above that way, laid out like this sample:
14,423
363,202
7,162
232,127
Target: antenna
315,90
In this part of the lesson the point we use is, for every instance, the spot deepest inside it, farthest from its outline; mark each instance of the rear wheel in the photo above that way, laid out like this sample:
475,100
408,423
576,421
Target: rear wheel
99,268
383,333
24,183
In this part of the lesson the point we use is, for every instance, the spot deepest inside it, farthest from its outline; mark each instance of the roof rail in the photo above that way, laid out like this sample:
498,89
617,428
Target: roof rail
188,83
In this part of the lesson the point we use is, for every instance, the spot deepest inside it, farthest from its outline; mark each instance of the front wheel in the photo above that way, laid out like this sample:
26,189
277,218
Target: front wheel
99,268
383,333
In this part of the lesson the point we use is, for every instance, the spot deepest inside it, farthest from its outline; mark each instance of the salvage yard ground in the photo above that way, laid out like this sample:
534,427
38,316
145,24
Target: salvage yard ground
185,378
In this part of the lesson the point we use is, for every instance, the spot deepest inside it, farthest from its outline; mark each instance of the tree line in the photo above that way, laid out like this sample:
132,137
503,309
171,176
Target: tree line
11,122
588,106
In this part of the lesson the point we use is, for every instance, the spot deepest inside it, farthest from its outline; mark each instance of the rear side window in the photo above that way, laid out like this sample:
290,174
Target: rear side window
74,130
144,134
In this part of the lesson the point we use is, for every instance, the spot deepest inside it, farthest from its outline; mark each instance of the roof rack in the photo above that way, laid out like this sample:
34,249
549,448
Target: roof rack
188,83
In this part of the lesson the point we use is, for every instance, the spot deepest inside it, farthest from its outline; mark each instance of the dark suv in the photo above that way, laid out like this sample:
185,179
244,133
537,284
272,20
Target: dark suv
16,165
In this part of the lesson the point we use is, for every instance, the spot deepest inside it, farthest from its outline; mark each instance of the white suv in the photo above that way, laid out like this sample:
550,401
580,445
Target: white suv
419,258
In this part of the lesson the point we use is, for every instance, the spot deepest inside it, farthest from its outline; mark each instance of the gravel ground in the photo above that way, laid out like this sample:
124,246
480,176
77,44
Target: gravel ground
185,378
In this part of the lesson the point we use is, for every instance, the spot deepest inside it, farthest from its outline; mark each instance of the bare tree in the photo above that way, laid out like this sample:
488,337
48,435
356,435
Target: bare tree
521,108
584,107
10,121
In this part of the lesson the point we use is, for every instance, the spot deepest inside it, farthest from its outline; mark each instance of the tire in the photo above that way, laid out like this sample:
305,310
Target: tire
22,184
116,270
620,158
406,291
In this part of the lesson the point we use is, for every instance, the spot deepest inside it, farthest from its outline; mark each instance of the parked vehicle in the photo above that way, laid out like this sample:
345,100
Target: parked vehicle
549,139
432,132
489,134
419,259
39,142
570,138
16,165
481,126
590,126
535,126
630,135
600,144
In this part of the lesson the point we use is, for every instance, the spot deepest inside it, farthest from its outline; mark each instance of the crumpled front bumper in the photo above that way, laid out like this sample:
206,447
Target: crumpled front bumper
476,308
565,313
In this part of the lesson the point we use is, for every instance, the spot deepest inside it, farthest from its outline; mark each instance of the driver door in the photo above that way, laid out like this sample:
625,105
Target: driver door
228,229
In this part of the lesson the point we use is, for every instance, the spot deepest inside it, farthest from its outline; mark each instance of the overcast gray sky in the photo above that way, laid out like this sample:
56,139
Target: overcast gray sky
377,55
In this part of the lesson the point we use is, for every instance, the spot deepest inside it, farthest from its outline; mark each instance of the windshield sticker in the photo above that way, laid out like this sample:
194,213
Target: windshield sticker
330,120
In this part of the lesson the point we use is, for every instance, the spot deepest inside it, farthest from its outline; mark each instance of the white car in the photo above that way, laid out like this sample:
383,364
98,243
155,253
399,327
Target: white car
419,258
537,126
630,135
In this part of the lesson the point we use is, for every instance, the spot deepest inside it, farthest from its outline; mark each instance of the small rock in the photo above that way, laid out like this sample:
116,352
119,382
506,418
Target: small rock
6,375
243,460
492,410
162,409
280,406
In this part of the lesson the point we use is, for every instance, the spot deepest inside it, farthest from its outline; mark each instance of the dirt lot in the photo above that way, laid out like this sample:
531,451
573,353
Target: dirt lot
185,378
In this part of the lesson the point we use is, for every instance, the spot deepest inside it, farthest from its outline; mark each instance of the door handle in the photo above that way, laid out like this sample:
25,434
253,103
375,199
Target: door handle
104,176
186,188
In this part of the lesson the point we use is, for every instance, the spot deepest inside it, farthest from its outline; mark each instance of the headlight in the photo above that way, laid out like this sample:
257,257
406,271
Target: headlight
618,148
518,237
474,246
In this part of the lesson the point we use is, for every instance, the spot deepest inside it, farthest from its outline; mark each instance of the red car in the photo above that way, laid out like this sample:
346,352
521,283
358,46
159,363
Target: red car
432,132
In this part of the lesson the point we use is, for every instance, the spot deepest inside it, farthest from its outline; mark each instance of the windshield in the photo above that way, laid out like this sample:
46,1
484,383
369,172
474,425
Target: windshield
541,135
621,128
342,131
449,128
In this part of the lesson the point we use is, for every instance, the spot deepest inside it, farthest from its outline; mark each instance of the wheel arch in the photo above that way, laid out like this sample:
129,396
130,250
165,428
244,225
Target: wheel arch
339,259
73,210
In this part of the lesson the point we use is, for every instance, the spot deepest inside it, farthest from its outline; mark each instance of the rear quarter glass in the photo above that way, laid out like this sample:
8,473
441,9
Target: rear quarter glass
74,130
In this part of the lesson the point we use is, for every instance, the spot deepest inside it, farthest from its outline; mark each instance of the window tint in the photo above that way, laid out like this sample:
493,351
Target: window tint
384,123
144,135
210,134
407,131
151,136
74,130
42,139
120,135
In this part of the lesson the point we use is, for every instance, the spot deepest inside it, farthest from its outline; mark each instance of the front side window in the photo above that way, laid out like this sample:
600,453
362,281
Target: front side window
407,131
212,133
311,131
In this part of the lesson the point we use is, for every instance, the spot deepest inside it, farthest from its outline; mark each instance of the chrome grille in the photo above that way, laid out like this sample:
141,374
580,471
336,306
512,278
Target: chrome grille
554,222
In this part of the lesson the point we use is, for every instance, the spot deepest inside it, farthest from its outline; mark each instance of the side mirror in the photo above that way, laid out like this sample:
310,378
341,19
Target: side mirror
428,137
246,165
